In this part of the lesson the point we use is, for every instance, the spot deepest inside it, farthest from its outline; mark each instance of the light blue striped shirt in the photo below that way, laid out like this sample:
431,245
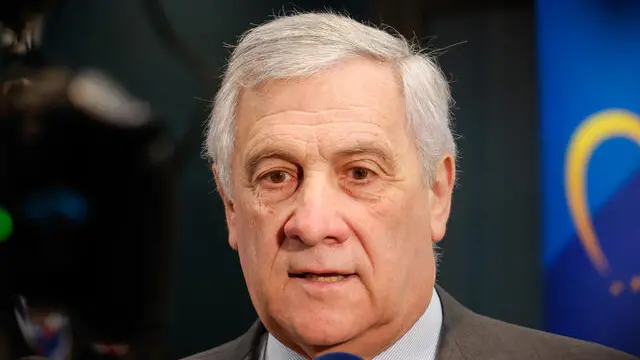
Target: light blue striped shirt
419,343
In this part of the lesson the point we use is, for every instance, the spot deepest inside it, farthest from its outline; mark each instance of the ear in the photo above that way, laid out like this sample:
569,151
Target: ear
440,197
229,210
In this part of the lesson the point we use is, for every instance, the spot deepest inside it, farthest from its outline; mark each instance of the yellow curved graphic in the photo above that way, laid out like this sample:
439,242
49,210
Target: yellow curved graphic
590,134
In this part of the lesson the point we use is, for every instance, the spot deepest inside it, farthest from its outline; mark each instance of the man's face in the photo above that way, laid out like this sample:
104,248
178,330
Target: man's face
330,213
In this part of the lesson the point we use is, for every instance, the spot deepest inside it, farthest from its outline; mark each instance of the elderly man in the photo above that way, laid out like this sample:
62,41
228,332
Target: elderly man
332,151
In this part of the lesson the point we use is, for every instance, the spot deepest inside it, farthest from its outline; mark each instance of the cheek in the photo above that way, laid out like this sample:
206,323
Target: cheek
258,230
397,238
253,236
397,215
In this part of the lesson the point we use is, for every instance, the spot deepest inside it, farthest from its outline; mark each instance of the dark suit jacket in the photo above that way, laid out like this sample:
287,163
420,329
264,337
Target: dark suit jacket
464,336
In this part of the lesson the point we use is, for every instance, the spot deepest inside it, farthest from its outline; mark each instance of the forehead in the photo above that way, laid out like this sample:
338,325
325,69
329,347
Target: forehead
369,88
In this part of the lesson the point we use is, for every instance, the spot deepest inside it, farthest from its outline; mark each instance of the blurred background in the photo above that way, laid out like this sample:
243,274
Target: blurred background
112,238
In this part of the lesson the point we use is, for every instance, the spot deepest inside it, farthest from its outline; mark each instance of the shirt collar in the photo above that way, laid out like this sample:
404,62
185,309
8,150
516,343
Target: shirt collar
419,343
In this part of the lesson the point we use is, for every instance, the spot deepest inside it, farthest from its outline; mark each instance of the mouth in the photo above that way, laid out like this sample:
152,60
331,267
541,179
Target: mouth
324,278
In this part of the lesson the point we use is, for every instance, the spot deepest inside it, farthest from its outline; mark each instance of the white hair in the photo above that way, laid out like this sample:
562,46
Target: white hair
301,45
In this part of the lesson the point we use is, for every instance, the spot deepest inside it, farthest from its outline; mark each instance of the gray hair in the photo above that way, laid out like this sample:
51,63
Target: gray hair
304,44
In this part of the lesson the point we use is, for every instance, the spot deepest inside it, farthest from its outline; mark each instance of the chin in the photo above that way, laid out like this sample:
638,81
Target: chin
320,329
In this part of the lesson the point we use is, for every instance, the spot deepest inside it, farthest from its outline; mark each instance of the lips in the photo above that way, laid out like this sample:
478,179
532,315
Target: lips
325,277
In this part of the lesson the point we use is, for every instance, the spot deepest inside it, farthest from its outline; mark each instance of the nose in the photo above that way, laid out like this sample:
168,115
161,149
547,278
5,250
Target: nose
317,215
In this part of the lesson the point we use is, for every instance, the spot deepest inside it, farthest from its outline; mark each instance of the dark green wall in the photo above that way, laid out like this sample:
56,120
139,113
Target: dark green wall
492,250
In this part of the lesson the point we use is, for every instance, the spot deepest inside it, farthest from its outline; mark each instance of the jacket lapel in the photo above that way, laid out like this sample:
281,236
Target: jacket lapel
248,345
453,316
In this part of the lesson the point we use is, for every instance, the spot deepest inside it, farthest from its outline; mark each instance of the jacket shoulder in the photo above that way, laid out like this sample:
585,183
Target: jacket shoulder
221,352
238,349
525,343
468,335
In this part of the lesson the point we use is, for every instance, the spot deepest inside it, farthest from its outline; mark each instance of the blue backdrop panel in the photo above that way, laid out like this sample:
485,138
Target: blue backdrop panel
589,69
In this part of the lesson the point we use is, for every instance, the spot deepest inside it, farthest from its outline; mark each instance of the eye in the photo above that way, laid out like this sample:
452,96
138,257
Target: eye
276,179
360,173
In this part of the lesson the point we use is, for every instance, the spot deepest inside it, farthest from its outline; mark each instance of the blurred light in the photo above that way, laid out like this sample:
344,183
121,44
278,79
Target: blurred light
6,225
49,205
